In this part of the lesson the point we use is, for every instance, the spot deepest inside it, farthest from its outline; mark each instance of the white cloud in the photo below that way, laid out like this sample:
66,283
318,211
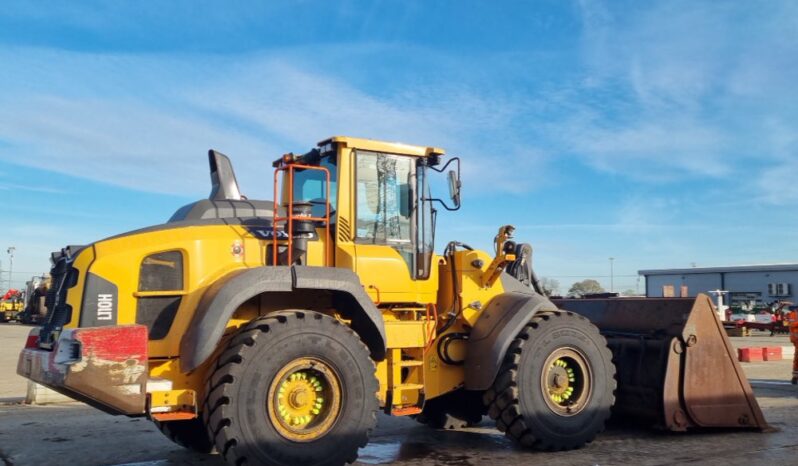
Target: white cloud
650,150
677,89
39,189
666,91
144,122
300,105
776,182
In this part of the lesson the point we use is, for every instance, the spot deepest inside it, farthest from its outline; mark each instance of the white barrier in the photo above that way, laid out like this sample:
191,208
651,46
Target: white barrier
40,395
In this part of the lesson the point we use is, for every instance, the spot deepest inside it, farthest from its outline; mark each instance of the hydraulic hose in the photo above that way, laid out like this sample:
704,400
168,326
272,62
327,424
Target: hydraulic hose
457,308
443,347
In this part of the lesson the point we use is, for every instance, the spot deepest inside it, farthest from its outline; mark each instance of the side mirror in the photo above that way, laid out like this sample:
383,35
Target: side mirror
454,187
454,184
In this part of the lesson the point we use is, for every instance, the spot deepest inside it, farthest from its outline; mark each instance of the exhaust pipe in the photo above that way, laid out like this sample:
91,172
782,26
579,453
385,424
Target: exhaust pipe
224,186
676,367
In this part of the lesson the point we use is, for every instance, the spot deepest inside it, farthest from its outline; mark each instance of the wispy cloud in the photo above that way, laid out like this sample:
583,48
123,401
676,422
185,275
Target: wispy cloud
128,144
776,182
662,92
684,87
123,127
24,187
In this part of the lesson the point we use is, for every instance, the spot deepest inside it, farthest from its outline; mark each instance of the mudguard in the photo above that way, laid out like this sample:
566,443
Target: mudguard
221,300
504,317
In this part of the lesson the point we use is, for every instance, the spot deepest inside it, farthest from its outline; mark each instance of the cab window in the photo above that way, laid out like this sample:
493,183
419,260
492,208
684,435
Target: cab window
311,186
384,202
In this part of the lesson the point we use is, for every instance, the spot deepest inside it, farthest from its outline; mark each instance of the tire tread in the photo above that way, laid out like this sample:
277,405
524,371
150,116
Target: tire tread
218,415
502,399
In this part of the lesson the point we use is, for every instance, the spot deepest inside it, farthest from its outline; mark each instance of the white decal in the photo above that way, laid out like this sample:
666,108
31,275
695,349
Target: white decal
105,307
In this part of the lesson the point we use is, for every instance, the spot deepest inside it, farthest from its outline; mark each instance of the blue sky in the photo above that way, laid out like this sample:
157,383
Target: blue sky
659,133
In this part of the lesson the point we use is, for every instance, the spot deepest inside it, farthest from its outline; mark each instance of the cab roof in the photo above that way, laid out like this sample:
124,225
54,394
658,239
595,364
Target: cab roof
383,146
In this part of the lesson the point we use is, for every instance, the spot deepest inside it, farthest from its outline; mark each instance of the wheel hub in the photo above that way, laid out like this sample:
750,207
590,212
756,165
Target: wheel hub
565,381
298,399
560,381
304,399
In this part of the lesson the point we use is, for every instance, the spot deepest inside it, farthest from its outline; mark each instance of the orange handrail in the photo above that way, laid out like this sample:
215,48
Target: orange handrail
289,218
377,302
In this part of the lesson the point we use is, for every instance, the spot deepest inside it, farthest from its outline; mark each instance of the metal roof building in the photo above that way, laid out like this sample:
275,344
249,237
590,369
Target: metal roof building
745,283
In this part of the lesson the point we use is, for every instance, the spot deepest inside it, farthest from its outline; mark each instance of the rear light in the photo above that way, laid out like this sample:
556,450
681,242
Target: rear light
32,341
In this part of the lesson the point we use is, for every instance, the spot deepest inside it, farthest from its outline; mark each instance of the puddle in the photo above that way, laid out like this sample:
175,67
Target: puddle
379,453
769,382
146,463
387,453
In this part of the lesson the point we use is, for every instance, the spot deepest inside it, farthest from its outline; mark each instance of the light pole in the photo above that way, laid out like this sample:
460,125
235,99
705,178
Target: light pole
612,276
10,251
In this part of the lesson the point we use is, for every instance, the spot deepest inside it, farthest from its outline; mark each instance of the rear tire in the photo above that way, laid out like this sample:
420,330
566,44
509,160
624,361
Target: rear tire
455,410
556,386
188,434
294,387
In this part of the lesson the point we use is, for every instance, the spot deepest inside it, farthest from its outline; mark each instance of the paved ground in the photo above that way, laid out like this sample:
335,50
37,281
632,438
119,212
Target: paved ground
761,338
75,434
12,339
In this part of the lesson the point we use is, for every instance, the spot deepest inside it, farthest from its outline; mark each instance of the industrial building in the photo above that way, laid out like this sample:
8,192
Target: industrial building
746,284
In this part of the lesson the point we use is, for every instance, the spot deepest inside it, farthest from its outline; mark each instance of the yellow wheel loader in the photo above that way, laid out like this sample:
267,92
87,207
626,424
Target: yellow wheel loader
274,331
10,306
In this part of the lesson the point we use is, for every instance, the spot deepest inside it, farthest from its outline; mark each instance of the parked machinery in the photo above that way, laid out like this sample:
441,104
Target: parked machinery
10,305
35,309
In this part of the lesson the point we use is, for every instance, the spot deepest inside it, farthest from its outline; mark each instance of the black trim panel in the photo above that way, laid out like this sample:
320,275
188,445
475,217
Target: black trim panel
501,321
100,302
227,294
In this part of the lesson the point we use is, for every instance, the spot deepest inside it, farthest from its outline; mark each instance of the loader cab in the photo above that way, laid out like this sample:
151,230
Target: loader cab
382,215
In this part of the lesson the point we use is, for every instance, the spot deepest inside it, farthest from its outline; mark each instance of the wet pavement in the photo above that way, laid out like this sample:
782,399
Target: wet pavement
75,434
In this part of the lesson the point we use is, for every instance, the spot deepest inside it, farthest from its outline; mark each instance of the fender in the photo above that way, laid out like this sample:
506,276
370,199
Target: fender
227,294
504,317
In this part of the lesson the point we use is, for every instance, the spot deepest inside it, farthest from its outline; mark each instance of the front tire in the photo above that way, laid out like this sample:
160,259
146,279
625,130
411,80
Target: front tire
294,387
556,386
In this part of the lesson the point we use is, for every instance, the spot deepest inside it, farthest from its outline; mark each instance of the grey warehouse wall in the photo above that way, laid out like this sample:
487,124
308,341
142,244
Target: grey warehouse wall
696,283
741,281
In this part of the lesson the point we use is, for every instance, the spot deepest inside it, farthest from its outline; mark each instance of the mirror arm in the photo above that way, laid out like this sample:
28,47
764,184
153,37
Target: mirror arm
441,170
450,209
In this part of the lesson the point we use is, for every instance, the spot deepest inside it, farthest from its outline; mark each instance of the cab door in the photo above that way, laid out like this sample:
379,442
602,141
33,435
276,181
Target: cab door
385,225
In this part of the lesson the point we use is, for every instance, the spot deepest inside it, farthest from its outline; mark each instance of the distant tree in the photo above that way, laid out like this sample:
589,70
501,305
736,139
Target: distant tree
551,287
588,286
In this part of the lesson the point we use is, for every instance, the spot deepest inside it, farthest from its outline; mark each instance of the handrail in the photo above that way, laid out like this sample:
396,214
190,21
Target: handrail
289,218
